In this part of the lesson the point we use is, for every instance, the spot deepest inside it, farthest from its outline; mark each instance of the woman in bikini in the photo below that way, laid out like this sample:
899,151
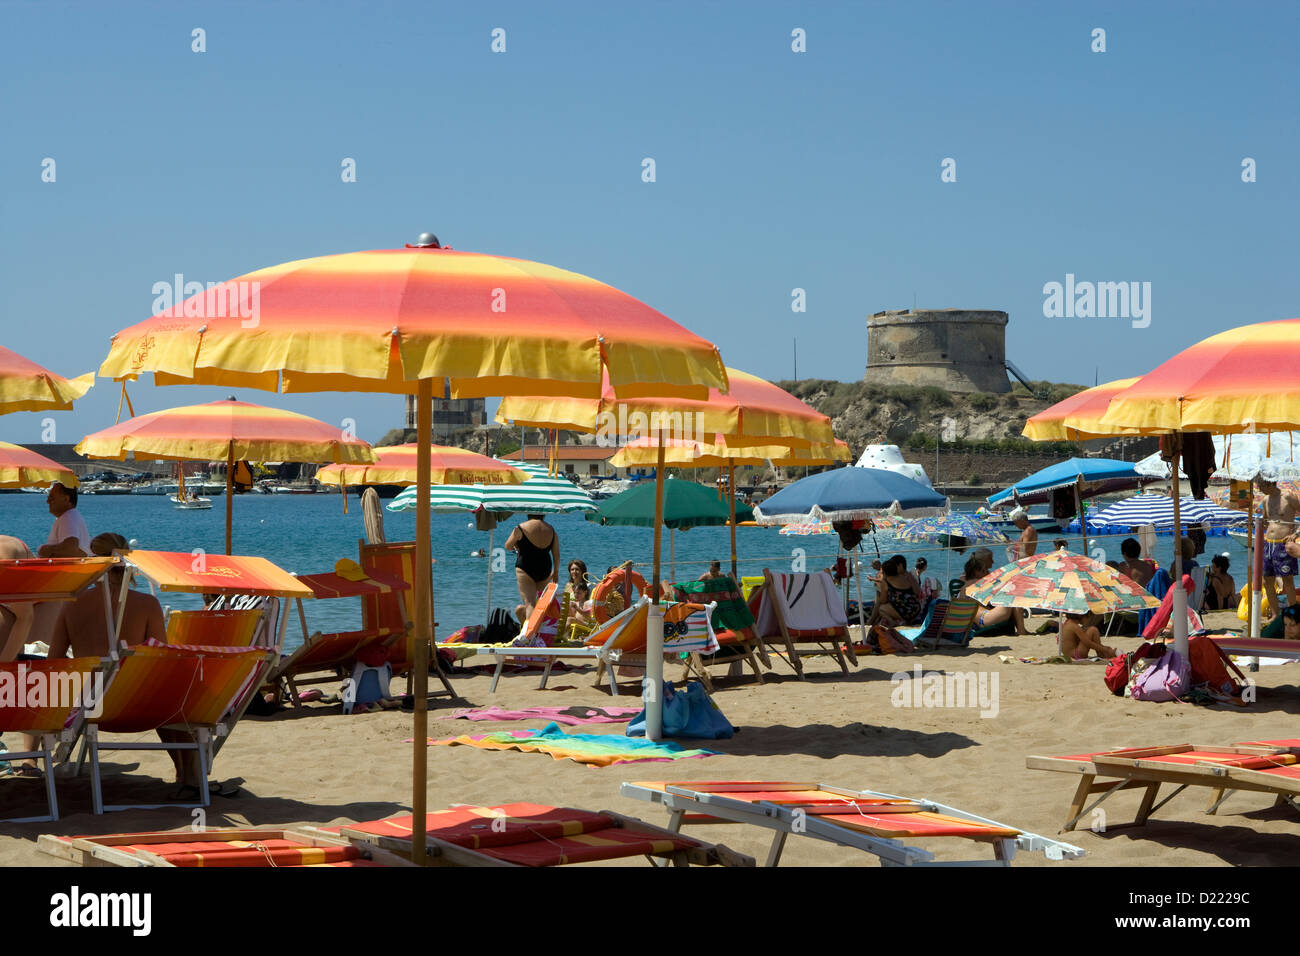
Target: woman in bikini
902,605
538,556
978,566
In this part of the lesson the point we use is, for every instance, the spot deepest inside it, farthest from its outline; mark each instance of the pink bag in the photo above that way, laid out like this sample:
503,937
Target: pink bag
1167,679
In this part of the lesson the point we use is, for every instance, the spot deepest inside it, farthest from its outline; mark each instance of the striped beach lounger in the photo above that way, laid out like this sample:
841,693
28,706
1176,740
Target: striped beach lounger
1264,766
877,823
529,834
217,847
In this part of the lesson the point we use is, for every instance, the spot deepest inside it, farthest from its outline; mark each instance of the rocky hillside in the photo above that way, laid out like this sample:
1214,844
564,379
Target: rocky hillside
916,416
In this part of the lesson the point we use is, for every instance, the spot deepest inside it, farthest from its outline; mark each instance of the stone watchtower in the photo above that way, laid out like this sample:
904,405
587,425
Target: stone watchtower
956,349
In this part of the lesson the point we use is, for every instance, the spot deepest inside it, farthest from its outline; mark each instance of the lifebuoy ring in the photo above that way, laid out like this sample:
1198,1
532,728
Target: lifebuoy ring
610,583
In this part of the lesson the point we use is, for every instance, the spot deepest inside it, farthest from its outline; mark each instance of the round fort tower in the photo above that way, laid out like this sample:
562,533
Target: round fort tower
960,350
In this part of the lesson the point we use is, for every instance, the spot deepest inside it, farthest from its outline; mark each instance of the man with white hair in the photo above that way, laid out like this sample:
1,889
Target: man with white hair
1280,510
1027,543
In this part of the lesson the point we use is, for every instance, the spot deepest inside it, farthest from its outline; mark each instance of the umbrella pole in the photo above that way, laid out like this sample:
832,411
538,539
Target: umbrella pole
654,630
1180,596
230,492
731,495
423,622
488,613
1256,555
1083,521
672,553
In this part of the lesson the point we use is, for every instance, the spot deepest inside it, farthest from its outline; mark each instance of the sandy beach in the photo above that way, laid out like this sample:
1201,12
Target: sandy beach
314,765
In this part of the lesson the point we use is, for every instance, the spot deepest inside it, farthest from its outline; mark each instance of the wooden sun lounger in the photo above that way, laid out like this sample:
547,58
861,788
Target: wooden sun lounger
527,834
824,640
218,847
876,823
1264,766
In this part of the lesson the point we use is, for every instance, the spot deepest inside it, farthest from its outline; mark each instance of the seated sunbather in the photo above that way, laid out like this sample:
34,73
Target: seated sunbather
901,604
989,616
1079,637
15,619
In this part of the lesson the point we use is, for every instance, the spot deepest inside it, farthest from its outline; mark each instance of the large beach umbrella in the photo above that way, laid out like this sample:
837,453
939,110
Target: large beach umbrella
228,431
849,494
1063,582
27,387
396,320
751,411
1158,510
1078,417
720,453
448,465
1240,380
686,504
23,468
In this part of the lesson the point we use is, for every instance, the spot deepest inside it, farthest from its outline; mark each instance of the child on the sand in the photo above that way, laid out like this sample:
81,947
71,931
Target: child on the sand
1078,637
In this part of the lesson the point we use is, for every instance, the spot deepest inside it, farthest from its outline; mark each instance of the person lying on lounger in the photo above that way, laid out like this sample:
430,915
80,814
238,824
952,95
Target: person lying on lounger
978,566
1079,637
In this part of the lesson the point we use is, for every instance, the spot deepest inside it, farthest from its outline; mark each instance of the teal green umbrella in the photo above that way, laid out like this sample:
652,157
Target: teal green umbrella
687,504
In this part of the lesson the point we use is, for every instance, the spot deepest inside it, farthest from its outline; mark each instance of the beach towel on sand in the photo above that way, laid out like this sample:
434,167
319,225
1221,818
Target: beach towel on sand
595,750
577,714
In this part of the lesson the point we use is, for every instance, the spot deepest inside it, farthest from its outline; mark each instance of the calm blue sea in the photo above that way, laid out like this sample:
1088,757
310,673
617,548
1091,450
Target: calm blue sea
309,533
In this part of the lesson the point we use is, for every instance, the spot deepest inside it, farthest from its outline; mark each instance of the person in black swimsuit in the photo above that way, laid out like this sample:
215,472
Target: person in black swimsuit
538,548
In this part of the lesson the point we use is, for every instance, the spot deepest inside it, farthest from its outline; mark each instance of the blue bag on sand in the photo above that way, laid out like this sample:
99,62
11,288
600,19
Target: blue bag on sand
689,713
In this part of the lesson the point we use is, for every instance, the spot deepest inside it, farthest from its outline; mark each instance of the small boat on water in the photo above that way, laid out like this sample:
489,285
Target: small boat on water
191,503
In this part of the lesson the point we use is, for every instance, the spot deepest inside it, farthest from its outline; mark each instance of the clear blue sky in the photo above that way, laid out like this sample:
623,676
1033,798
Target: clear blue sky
775,170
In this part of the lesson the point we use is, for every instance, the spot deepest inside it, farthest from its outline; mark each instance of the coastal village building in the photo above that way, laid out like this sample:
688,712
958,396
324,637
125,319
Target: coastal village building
583,461
450,414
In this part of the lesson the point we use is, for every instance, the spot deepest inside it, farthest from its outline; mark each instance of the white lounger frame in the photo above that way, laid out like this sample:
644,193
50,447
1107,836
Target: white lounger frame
785,821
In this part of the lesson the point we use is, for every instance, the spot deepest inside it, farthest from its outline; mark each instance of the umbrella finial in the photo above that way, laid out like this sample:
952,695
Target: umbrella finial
427,240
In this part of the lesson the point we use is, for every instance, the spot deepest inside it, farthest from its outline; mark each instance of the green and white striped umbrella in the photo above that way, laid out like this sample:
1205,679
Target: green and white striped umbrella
540,494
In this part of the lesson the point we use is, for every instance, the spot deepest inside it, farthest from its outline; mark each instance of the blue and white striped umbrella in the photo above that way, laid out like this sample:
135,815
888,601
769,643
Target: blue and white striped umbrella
540,494
1158,510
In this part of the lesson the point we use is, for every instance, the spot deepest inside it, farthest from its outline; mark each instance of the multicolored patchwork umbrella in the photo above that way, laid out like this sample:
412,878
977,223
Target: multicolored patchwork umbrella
27,387
955,524
1061,581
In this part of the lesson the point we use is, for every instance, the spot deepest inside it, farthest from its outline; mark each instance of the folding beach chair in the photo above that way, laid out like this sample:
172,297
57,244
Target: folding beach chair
529,834
56,715
394,611
174,687
803,609
733,626
330,657
876,823
67,687
1265,766
208,628
217,847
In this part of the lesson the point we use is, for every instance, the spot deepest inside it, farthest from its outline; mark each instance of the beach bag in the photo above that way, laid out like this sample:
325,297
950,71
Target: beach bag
1167,679
688,712
502,628
1210,665
886,640
1120,670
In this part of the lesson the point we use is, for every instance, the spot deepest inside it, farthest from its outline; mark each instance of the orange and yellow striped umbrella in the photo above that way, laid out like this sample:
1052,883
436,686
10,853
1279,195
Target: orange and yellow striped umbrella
752,412
229,431
27,387
686,453
1241,380
380,321
1078,417
22,468
396,464
221,430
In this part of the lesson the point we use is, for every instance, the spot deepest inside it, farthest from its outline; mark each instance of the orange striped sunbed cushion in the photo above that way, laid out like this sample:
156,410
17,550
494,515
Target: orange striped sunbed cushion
157,686
608,844
224,628
853,812
478,828
246,853
58,682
